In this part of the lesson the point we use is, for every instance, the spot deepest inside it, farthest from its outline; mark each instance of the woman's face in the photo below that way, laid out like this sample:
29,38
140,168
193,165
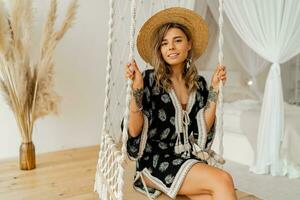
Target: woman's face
175,46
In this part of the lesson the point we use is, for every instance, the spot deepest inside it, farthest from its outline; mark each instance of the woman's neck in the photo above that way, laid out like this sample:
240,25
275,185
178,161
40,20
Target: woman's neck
177,72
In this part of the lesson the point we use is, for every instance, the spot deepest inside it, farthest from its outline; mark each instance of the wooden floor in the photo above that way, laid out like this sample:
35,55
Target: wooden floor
60,175
66,174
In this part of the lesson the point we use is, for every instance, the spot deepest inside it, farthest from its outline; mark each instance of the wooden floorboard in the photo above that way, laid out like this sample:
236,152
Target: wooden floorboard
67,175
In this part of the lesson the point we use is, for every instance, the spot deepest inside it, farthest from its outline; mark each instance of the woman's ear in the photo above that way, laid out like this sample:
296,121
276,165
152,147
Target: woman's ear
190,45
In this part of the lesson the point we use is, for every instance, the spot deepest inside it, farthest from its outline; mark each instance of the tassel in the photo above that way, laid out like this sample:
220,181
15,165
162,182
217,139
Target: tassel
179,147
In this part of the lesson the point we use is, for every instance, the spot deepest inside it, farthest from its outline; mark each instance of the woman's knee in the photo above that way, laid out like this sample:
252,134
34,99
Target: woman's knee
225,181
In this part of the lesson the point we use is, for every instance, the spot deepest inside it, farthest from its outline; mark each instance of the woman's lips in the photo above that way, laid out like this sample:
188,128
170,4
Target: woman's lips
173,55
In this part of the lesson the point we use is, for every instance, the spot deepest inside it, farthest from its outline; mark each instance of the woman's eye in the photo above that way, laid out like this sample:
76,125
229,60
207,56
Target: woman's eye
178,40
163,44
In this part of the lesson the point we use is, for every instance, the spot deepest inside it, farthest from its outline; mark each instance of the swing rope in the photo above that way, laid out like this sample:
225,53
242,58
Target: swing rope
219,111
109,181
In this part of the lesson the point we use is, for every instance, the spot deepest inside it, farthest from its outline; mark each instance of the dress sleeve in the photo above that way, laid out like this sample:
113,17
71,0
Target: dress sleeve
205,137
136,145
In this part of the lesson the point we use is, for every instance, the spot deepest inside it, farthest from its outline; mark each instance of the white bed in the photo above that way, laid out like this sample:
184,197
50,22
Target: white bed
240,123
241,120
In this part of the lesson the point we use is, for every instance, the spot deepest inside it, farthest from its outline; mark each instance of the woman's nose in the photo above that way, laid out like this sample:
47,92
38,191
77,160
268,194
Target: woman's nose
171,46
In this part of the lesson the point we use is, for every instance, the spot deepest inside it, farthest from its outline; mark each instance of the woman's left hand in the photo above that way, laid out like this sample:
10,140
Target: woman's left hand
219,75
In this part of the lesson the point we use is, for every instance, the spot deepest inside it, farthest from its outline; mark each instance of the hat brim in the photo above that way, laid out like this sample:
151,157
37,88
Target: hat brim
186,17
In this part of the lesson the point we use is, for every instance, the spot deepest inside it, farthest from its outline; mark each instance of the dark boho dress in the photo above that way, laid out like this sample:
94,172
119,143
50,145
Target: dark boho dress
164,150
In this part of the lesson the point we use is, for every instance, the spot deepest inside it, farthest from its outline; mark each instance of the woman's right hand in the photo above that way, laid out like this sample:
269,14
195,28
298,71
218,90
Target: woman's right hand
135,75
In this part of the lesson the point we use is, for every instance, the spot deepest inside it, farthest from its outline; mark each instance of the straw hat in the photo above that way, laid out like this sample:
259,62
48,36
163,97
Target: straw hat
188,18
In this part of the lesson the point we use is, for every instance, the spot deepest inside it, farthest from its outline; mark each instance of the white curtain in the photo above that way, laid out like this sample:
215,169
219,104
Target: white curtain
271,29
251,62
291,80
209,59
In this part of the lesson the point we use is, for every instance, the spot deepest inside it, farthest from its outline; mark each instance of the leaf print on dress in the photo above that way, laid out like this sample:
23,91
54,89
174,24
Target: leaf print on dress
201,85
162,115
169,179
165,98
166,155
163,145
153,105
147,93
148,148
152,132
151,78
165,134
172,120
177,161
133,149
201,102
155,160
163,166
137,141
155,90
174,136
150,170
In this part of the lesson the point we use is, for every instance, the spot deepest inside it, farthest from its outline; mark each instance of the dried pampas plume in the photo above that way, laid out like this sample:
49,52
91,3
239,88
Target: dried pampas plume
27,88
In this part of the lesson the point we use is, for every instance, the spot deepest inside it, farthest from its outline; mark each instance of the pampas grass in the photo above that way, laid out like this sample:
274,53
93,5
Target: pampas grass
26,87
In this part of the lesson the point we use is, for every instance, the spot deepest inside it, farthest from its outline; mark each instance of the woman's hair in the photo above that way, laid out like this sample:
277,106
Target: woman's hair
163,70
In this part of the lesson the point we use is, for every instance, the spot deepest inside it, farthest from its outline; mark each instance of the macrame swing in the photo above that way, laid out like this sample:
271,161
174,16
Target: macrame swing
109,179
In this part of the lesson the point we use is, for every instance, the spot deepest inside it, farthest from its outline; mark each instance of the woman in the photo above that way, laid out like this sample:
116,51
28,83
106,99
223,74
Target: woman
172,112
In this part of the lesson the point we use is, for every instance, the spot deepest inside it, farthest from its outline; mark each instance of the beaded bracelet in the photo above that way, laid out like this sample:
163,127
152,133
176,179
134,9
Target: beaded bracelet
137,111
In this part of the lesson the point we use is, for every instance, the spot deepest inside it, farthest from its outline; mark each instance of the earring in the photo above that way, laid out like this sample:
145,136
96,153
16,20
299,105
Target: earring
188,63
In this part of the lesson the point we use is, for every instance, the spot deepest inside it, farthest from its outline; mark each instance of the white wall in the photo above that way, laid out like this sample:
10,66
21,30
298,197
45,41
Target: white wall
80,61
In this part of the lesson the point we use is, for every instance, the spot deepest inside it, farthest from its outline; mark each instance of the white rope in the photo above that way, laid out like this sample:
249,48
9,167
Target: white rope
128,96
129,82
110,172
219,111
107,154
109,63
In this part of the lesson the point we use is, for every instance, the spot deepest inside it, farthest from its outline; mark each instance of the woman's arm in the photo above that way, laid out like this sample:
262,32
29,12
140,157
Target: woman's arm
210,108
135,121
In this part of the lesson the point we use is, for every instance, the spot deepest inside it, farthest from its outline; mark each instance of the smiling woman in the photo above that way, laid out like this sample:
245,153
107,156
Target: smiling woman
172,46
172,111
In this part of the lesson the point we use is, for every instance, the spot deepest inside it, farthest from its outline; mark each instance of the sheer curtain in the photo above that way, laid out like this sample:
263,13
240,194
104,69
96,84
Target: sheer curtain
291,80
271,29
209,59
252,63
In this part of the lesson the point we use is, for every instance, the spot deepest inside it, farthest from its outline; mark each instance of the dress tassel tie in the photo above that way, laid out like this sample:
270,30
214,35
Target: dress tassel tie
184,148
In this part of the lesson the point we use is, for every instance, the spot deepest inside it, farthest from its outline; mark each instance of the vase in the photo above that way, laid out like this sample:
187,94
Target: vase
27,156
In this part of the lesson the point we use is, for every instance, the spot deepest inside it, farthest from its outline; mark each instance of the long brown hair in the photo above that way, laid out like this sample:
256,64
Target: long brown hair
163,70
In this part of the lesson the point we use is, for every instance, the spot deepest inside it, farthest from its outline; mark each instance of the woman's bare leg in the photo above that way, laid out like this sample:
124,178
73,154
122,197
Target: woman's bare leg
205,179
200,197
204,196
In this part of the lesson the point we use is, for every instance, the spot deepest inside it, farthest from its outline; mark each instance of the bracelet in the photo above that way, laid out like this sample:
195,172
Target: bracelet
212,95
137,111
